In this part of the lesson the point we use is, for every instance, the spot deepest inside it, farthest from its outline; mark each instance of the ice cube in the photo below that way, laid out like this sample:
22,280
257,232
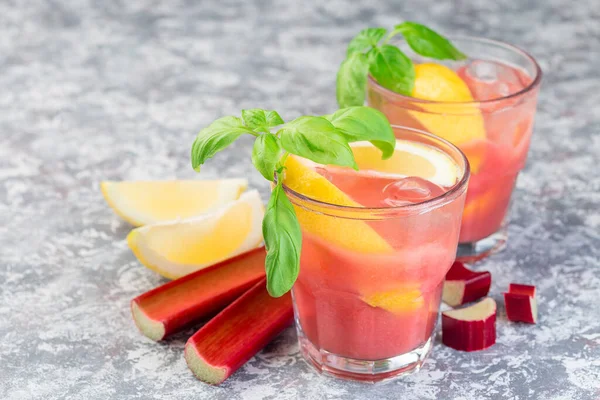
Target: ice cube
503,89
409,191
489,80
484,71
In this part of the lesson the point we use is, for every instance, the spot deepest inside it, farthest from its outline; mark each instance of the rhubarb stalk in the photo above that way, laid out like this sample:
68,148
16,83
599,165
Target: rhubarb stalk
237,333
181,302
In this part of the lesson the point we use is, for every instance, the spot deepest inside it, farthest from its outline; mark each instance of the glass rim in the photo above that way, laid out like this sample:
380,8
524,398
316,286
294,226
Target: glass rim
414,208
532,85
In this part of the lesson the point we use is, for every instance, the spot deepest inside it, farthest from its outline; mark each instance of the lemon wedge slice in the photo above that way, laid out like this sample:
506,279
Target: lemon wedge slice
409,159
396,301
457,123
148,202
177,248
350,234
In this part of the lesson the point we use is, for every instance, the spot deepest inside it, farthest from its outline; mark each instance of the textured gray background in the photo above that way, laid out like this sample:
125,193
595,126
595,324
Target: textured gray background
95,90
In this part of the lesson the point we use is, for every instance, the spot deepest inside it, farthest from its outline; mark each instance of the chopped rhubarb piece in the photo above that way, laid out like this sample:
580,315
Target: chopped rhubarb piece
464,286
181,302
237,333
520,303
518,288
471,328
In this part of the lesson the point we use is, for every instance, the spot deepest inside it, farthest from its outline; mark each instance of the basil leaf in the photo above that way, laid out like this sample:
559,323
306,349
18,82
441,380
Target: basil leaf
265,154
258,119
365,123
283,241
428,43
351,81
393,69
371,54
318,140
273,118
366,39
215,137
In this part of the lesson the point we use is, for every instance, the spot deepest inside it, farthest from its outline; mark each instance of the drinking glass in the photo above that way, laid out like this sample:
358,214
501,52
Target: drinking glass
494,131
367,297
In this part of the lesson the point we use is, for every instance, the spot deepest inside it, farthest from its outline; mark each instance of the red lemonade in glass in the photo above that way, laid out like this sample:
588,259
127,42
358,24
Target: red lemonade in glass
377,244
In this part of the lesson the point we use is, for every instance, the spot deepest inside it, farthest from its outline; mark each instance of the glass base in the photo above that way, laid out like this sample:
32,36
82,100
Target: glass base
368,371
475,251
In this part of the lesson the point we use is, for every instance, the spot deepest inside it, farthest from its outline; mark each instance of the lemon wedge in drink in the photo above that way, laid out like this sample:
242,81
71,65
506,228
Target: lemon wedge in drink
179,247
409,159
148,202
347,233
396,301
457,123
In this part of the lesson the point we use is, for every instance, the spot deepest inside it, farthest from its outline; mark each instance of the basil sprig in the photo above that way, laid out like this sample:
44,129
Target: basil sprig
322,139
370,53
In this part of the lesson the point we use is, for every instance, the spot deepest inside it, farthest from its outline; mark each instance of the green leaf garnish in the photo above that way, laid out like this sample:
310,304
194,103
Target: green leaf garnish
215,138
352,80
324,140
387,63
265,155
427,42
318,140
283,241
261,120
365,40
393,69
364,123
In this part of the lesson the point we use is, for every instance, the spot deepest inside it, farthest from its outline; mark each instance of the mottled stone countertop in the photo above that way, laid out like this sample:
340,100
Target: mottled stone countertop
94,90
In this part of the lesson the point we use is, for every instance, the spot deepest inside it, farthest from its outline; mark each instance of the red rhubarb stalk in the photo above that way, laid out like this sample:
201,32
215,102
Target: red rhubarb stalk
237,333
520,303
471,328
464,286
181,302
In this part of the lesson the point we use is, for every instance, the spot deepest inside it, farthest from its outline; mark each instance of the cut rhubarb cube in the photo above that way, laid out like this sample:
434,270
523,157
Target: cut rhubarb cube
237,333
520,303
471,328
518,288
464,286
184,301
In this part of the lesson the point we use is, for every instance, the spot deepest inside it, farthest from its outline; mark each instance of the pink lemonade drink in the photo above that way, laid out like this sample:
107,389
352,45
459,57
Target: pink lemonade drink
487,111
377,244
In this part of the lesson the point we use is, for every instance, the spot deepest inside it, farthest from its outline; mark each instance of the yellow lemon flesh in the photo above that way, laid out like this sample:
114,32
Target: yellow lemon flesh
396,301
148,202
436,82
457,123
177,248
409,159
